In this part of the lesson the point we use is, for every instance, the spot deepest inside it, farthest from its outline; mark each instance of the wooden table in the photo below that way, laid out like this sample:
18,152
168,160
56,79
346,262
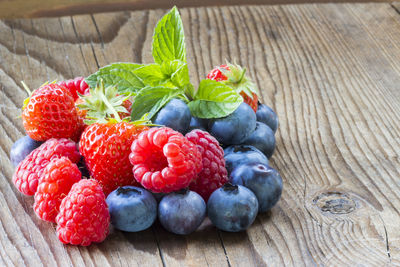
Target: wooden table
332,73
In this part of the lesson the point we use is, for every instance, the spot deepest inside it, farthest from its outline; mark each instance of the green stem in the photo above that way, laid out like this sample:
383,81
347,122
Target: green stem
242,75
26,88
108,104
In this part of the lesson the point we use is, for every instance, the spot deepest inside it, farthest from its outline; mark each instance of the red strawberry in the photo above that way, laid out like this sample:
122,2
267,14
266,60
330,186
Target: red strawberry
75,86
58,177
234,76
50,112
30,170
105,144
106,148
83,216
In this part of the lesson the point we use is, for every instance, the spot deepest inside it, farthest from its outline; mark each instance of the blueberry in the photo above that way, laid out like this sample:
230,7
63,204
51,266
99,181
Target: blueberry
266,115
182,212
21,148
264,181
242,154
175,114
236,127
197,123
132,209
262,138
232,208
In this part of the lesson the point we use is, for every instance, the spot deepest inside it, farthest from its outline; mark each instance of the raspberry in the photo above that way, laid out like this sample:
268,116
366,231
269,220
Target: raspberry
75,86
164,160
58,177
28,172
83,216
214,174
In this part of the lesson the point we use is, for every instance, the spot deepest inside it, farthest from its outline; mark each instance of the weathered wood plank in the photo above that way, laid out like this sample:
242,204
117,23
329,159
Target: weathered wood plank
55,8
332,73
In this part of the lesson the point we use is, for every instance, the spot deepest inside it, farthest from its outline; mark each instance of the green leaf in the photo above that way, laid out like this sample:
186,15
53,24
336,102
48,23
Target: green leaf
150,74
177,72
214,100
120,75
151,99
169,39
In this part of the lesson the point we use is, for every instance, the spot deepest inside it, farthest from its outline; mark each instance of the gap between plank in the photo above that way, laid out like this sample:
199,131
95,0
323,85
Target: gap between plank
397,9
158,246
223,247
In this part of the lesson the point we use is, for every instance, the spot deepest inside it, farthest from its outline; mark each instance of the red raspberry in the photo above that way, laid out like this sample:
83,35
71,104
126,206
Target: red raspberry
83,216
58,178
164,160
75,86
28,172
214,174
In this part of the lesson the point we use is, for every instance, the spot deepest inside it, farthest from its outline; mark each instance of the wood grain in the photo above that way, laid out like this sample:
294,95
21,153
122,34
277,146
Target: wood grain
332,73
56,8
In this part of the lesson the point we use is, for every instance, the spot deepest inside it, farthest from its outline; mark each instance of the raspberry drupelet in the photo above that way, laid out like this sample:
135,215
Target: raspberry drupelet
214,174
164,160
83,216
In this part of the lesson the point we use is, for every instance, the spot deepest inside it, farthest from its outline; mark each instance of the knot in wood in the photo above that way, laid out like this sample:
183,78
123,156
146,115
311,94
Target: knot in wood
335,202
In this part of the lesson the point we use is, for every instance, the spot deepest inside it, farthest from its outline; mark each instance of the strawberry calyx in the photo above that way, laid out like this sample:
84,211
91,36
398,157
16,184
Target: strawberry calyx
238,80
103,104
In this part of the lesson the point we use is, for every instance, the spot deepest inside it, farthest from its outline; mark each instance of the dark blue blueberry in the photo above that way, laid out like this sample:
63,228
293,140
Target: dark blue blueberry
182,212
236,127
264,181
197,123
266,115
21,148
132,209
242,154
232,208
175,114
263,139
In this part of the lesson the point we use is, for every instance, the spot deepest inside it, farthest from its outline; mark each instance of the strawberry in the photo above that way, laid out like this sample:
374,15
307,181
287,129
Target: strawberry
234,76
105,143
50,113
93,103
106,148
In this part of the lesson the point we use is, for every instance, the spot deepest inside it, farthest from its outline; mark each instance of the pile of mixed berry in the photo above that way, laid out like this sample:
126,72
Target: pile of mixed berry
133,142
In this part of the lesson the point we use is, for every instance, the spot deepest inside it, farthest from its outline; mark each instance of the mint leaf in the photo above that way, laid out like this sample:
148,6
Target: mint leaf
150,74
177,72
169,39
151,99
214,100
120,75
